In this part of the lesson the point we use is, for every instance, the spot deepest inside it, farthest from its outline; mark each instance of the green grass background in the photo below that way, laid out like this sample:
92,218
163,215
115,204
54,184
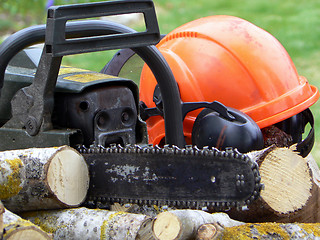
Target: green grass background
295,23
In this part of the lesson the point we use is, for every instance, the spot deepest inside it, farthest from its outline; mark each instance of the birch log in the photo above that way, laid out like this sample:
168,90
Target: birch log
268,230
145,231
1,219
183,224
42,178
84,223
16,228
290,192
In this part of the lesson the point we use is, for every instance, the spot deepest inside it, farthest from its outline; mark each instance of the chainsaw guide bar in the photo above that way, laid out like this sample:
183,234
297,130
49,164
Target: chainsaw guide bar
178,177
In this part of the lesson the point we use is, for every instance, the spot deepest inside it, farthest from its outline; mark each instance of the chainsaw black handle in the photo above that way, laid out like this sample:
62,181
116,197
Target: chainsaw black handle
153,58
58,16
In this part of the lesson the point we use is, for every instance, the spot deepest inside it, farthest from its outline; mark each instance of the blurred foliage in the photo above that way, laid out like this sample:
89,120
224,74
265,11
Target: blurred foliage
34,8
18,14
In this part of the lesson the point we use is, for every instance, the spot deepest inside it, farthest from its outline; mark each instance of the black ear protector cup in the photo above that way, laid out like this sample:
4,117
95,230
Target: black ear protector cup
212,130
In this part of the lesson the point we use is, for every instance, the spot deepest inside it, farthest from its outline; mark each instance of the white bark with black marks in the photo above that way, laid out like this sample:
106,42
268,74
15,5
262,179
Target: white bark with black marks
269,230
84,223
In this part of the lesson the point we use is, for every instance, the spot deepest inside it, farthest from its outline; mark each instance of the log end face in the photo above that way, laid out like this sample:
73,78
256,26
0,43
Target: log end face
166,226
27,233
206,231
287,181
68,177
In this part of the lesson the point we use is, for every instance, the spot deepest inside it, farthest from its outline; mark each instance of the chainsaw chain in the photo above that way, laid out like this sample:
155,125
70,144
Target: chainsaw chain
227,154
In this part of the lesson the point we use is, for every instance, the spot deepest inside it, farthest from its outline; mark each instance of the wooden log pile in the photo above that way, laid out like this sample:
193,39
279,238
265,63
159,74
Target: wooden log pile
42,191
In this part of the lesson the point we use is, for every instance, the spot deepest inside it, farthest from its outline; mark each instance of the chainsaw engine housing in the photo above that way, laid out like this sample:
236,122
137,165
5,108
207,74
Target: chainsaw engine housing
97,108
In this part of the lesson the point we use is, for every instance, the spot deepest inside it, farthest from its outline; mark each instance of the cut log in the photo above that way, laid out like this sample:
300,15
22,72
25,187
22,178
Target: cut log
42,178
16,228
290,193
209,231
183,224
276,231
145,231
1,219
84,223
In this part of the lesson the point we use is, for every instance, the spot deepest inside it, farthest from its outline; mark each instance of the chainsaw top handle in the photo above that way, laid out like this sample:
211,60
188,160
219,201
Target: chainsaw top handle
62,38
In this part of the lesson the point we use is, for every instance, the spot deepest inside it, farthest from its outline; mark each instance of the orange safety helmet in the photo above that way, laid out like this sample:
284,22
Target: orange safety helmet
230,60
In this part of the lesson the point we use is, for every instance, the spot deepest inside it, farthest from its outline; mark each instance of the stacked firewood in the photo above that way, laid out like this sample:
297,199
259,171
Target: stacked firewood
42,191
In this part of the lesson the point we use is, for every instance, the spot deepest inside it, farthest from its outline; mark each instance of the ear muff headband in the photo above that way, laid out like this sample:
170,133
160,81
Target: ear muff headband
305,146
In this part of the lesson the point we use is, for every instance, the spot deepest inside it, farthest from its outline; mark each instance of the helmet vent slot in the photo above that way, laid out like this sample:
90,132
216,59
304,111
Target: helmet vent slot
187,34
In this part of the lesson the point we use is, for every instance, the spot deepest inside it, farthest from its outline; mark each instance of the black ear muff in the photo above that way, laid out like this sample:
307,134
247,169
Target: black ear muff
216,126
213,130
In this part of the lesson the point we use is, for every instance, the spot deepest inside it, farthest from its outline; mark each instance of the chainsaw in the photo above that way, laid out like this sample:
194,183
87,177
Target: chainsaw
44,104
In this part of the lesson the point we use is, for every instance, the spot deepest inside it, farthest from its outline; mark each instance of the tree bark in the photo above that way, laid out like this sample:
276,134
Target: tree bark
1,219
84,223
145,231
16,228
183,224
275,231
290,192
42,178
